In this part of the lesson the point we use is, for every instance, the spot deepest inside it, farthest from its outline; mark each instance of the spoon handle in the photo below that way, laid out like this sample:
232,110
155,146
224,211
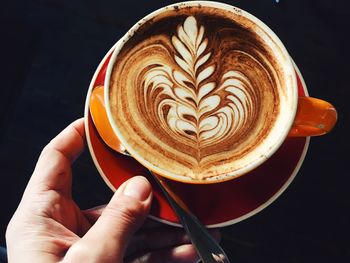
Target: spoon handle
207,247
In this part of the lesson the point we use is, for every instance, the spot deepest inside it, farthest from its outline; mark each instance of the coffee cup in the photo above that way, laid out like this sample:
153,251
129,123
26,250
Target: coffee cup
204,92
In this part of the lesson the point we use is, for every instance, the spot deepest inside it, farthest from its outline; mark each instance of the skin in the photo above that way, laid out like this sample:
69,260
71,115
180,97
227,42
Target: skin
48,226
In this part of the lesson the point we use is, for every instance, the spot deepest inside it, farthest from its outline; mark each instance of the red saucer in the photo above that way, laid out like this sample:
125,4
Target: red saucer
215,205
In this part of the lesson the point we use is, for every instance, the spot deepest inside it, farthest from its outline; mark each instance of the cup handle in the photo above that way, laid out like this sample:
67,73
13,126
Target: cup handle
314,117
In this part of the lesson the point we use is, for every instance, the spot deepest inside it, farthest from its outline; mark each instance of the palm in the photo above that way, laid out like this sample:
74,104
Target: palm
62,222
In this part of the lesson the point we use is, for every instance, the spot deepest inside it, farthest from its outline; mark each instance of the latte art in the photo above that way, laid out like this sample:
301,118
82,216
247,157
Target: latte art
191,105
195,92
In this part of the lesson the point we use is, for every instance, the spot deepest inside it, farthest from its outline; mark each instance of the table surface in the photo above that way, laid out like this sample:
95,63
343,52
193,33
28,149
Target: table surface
50,50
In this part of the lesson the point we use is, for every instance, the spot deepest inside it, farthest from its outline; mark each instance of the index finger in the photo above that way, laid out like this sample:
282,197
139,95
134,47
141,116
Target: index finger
53,169
70,142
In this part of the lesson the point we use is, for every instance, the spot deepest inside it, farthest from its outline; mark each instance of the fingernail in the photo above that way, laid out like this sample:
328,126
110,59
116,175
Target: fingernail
138,187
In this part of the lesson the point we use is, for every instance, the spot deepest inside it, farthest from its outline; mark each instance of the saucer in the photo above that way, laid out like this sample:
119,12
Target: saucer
215,205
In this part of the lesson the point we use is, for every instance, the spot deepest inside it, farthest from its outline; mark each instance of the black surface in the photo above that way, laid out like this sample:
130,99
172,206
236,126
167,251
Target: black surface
49,52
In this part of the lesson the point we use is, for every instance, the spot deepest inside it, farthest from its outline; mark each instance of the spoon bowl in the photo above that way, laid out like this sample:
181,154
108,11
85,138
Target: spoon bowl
100,119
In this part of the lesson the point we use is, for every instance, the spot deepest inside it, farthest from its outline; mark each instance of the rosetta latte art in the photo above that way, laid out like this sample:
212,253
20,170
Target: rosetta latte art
195,92
192,106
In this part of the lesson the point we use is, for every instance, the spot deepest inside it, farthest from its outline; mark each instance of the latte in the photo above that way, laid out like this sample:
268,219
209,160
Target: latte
196,91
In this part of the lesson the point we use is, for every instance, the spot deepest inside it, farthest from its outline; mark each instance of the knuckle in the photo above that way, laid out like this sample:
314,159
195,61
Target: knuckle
46,150
78,253
41,206
127,210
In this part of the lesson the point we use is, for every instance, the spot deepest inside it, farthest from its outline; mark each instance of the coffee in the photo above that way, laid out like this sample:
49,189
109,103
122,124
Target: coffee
196,92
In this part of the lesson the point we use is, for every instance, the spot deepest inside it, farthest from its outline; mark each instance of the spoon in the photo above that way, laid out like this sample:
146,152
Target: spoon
207,247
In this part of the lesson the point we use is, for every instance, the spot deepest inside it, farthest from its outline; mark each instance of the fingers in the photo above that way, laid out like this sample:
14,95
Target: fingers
164,245
52,171
180,254
158,238
107,239
70,142
94,213
153,235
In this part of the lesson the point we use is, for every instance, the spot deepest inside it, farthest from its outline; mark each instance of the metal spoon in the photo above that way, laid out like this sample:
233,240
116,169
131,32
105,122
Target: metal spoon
207,247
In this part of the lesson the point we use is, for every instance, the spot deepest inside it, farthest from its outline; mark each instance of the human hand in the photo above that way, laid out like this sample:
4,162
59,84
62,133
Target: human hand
48,226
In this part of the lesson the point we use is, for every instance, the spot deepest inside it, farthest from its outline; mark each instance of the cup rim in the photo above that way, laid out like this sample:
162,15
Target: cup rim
283,129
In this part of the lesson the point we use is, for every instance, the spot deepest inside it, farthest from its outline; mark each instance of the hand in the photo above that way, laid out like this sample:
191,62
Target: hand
48,226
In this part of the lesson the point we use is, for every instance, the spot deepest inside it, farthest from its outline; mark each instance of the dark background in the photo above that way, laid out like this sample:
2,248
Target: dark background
50,50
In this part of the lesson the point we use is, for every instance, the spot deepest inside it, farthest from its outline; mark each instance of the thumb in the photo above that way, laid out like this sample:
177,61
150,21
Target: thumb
108,238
